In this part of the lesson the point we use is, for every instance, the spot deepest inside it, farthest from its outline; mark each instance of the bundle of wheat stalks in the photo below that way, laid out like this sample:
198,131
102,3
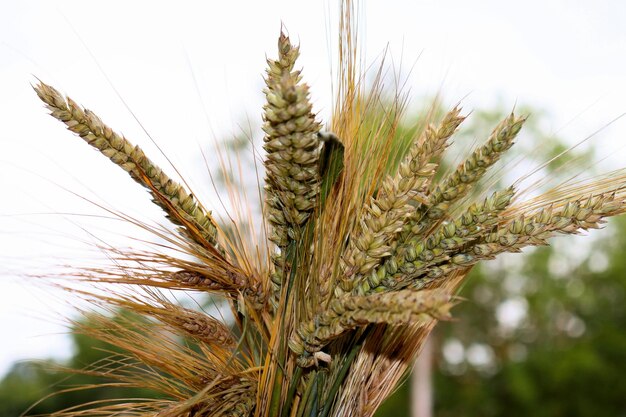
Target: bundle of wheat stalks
367,256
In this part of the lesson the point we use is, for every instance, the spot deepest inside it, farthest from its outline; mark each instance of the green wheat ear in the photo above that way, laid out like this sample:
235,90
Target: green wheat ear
179,205
348,313
292,182
387,213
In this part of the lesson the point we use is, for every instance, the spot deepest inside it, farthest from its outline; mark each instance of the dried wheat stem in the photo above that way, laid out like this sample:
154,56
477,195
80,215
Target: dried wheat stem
347,313
179,205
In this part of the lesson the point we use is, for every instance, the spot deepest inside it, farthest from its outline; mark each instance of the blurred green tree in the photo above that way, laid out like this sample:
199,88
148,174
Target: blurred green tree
44,387
541,335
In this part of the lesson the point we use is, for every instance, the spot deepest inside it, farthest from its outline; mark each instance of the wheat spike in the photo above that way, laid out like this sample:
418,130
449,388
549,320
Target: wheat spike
197,325
347,313
385,214
530,229
456,185
292,145
412,260
180,206
536,228
419,166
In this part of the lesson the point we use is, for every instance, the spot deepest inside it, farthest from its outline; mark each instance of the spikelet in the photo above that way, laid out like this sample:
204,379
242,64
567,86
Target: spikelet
180,206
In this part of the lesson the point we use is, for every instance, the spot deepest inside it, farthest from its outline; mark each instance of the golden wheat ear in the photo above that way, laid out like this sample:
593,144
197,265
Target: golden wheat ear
179,205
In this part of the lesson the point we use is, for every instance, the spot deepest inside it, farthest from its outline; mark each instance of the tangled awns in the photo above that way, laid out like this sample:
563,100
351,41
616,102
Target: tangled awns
365,242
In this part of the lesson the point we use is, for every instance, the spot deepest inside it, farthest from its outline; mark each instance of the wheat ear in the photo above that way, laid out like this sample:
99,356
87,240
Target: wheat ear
179,205
531,229
292,145
413,260
456,185
347,313
385,214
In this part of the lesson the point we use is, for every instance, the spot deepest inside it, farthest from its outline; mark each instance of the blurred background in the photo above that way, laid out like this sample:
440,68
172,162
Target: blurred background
539,333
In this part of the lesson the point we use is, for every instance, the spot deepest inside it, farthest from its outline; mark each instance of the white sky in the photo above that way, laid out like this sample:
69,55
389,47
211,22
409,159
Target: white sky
567,57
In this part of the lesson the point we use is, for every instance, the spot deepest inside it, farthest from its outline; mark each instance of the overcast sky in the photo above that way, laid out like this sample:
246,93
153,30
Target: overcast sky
192,72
